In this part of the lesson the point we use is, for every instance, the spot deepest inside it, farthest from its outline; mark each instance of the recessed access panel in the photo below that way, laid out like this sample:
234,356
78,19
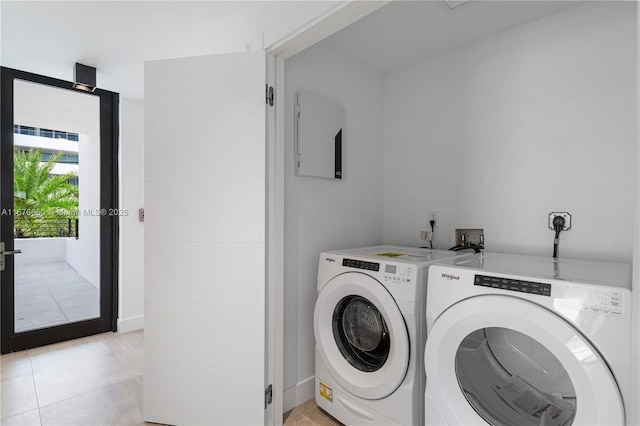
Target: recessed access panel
319,128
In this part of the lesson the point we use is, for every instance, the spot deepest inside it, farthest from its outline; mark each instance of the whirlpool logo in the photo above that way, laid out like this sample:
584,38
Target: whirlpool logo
450,277
329,259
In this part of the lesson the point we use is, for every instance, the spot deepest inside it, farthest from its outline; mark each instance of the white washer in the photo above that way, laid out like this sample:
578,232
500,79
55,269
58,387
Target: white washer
520,340
370,331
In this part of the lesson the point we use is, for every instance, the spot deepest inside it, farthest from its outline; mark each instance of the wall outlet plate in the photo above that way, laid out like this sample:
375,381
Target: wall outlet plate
432,215
565,215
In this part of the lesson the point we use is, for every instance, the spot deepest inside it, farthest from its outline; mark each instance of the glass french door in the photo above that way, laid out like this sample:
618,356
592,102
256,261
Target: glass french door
58,211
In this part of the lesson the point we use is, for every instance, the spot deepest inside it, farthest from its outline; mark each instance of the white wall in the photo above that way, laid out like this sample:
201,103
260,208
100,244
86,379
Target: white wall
499,133
83,254
40,250
131,244
323,214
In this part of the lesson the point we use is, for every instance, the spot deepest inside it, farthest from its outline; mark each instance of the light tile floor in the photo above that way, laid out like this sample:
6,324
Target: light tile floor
48,294
95,380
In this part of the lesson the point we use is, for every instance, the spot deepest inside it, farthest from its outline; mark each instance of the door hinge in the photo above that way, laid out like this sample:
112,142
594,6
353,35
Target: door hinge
270,95
268,396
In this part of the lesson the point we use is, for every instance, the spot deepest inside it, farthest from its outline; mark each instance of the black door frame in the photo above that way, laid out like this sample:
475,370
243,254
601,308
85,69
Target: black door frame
109,132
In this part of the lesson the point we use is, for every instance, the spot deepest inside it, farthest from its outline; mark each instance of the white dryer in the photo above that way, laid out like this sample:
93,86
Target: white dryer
370,331
520,340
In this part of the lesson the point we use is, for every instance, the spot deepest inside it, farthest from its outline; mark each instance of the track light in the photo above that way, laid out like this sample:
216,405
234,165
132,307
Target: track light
84,77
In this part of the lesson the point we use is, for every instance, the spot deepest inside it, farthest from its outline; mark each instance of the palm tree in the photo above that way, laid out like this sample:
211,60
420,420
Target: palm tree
40,196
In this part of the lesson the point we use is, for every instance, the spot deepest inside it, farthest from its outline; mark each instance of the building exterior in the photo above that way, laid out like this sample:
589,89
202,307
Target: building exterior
51,142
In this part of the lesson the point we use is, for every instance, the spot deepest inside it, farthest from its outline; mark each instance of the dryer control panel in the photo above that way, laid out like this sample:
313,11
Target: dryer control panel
511,284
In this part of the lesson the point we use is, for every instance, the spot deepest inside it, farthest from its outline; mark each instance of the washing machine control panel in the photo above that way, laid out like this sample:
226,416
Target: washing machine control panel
392,273
511,284
361,264
397,273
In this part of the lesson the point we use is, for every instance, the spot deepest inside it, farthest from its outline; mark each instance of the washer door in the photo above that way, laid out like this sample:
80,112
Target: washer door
503,361
361,335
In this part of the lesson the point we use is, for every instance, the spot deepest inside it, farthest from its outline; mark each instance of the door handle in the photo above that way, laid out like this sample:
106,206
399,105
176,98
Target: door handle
3,253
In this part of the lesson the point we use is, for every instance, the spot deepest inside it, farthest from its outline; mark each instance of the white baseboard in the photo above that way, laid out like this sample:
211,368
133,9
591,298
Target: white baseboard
299,394
289,399
130,324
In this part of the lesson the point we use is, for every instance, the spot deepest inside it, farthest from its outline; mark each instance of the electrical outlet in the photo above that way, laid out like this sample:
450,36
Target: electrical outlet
433,215
565,215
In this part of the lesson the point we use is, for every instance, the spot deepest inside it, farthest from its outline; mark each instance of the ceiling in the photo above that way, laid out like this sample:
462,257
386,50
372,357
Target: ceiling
403,33
116,37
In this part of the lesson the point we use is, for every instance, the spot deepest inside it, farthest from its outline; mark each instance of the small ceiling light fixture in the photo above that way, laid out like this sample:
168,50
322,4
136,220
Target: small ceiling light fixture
84,77
455,3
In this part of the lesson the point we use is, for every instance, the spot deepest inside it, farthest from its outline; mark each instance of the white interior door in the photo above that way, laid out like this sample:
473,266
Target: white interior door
205,196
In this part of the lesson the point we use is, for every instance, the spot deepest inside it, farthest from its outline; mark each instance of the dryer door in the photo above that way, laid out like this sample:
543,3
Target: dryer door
361,335
505,361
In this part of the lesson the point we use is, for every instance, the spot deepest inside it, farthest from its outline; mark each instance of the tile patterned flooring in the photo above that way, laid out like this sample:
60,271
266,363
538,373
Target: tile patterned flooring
95,380
52,293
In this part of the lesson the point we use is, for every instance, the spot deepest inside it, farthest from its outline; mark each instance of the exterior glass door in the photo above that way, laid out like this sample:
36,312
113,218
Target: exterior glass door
56,175
58,217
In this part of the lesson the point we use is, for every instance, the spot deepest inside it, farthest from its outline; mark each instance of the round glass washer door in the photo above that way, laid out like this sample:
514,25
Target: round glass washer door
361,335
500,360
